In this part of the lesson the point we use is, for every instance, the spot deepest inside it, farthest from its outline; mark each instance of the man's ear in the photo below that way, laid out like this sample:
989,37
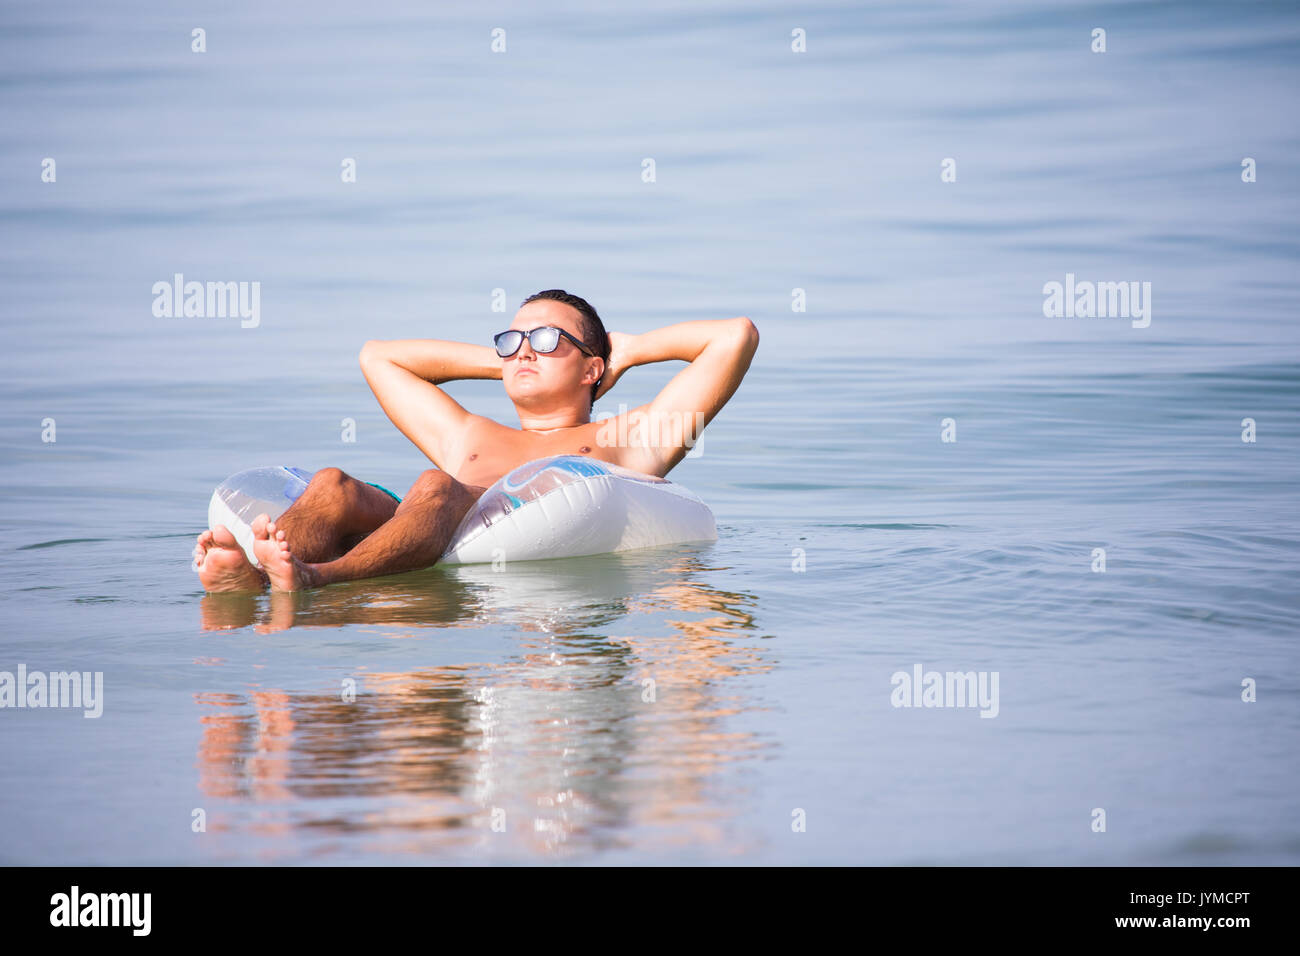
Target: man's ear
600,373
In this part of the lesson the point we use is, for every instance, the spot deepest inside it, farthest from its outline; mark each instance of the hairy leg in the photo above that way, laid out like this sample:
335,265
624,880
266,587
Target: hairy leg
333,514
414,537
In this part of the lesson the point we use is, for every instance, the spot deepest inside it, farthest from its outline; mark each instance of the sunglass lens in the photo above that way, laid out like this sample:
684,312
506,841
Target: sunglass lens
544,340
508,343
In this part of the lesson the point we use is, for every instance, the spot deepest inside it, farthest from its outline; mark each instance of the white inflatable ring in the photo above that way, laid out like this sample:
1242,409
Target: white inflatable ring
565,506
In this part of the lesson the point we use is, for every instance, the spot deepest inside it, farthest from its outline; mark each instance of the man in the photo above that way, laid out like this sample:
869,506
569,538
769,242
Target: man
555,360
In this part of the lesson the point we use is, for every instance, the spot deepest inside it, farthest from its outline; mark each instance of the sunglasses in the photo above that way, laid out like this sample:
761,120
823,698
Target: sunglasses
544,339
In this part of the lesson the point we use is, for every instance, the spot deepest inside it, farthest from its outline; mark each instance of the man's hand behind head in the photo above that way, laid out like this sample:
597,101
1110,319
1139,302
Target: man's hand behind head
621,347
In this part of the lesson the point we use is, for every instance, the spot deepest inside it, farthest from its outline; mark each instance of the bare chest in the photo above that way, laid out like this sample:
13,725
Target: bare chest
493,450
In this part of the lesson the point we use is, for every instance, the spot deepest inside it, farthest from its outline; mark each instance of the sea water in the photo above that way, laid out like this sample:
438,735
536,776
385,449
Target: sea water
993,583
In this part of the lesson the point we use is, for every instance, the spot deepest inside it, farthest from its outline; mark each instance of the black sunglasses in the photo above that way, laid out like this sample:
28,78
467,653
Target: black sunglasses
544,339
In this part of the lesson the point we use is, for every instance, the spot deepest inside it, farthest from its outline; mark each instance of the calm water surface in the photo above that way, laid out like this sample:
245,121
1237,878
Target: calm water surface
525,694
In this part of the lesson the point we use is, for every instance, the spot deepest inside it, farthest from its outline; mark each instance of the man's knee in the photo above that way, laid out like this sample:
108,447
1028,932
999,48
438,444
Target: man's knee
440,488
329,478
434,482
335,486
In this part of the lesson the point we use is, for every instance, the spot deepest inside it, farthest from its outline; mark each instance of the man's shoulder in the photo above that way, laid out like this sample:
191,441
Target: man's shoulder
483,423
632,438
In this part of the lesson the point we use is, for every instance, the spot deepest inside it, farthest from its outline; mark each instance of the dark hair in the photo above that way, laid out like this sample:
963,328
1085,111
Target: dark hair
593,330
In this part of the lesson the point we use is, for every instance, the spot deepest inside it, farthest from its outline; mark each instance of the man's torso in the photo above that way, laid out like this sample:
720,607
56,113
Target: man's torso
489,449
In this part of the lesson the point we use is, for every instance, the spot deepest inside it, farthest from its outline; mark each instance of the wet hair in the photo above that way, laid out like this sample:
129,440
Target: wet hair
593,330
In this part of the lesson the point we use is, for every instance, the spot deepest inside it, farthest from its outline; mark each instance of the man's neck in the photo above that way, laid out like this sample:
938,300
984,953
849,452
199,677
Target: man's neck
552,423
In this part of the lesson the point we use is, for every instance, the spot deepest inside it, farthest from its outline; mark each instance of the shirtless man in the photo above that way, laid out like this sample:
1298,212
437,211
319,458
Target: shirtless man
342,529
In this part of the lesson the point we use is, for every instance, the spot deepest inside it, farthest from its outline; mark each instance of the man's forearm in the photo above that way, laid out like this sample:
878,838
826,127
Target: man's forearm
435,360
683,341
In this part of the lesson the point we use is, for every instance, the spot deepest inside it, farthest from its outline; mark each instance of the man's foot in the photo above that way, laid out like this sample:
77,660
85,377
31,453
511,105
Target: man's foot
285,571
222,564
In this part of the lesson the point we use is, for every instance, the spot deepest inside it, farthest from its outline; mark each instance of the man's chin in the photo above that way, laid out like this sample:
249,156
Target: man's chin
527,398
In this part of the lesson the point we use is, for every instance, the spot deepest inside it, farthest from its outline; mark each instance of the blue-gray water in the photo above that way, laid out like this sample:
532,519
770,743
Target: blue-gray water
523,694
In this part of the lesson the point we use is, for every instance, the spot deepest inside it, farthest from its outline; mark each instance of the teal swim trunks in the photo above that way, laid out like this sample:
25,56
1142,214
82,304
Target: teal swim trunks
385,491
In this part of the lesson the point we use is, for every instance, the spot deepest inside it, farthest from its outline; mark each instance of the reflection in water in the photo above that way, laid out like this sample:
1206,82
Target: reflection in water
581,741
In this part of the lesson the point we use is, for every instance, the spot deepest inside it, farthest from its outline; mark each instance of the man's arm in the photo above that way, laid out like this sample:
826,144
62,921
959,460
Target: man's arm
719,352
405,374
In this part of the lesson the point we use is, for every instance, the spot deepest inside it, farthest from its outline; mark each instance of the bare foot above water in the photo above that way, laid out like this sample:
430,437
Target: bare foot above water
222,564
285,571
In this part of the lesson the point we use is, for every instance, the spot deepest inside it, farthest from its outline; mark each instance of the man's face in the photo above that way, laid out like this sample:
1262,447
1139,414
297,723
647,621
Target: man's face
535,380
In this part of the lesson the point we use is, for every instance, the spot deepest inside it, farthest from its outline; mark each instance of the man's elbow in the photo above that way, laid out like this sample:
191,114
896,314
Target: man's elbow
747,331
370,351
